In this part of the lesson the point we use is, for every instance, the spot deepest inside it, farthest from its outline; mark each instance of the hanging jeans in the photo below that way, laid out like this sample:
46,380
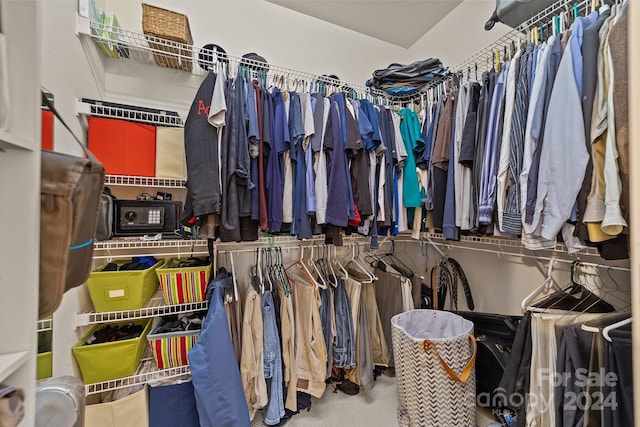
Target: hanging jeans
216,377
272,362
326,301
344,349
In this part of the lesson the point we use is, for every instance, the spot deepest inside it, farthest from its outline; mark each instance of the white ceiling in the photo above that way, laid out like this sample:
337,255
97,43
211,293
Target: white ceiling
398,22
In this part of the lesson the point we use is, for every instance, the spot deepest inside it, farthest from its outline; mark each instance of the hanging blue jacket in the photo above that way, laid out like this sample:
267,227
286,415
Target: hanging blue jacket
214,369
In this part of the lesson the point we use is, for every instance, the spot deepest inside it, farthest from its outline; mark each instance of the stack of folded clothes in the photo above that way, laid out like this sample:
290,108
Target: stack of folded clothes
401,80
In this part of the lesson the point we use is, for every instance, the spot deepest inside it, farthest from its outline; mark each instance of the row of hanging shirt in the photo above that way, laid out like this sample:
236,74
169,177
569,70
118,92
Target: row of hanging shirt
566,369
264,159
302,326
539,146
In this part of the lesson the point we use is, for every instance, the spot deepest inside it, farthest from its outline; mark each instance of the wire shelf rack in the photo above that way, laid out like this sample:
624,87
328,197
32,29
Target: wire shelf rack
508,243
143,181
156,306
481,57
45,325
136,114
148,244
148,49
138,379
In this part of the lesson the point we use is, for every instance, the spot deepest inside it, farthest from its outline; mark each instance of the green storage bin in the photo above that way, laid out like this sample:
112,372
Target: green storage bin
44,361
44,366
122,290
108,361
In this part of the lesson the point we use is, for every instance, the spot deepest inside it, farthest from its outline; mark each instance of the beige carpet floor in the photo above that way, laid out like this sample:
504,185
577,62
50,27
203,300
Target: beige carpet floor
377,408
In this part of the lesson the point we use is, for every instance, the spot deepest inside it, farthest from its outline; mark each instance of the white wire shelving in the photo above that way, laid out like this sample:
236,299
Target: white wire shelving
137,379
45,325
148,244
514,247
156,306
509,243
541,19
143,181
123,112
147,49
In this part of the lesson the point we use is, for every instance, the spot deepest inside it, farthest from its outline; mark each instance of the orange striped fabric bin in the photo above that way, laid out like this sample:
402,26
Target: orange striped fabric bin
170,350
182,285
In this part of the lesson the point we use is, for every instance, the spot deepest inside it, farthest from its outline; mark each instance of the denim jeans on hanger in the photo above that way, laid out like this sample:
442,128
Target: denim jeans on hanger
326,296
344,349
272,362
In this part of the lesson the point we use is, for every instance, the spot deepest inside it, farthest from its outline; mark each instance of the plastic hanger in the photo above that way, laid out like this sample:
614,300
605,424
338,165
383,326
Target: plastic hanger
548,283
355,263
598,324
608,329
311,262
281,274
298,263
265,267
364,264
236,295
335,260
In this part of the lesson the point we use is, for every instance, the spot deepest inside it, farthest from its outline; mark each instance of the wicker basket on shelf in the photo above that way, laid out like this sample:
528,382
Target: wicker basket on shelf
173,28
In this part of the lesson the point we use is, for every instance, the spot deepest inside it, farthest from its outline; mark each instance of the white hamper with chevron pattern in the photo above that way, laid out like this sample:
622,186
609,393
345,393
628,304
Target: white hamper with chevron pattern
435,354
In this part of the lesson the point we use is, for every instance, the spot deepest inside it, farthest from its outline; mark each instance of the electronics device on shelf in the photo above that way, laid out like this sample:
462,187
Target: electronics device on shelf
140,217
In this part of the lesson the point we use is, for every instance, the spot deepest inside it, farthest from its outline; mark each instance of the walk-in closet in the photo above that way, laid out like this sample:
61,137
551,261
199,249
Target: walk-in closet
366,213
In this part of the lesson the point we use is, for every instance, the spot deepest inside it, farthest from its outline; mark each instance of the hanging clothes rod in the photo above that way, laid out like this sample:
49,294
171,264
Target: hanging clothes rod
517,34
296,247
531,256
141,45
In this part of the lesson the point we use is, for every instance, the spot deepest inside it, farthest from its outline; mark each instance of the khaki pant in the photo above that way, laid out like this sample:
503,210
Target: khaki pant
311,353
251,362
377,341
288,350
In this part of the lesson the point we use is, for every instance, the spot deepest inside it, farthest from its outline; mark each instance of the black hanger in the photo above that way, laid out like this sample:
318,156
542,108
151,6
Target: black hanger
575,297
396,263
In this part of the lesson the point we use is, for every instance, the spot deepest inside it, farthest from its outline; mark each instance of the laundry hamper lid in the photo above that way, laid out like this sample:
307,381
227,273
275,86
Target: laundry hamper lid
433,325
60,402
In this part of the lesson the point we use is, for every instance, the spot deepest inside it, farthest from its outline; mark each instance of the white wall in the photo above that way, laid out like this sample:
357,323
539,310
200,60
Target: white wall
284,37
459,35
